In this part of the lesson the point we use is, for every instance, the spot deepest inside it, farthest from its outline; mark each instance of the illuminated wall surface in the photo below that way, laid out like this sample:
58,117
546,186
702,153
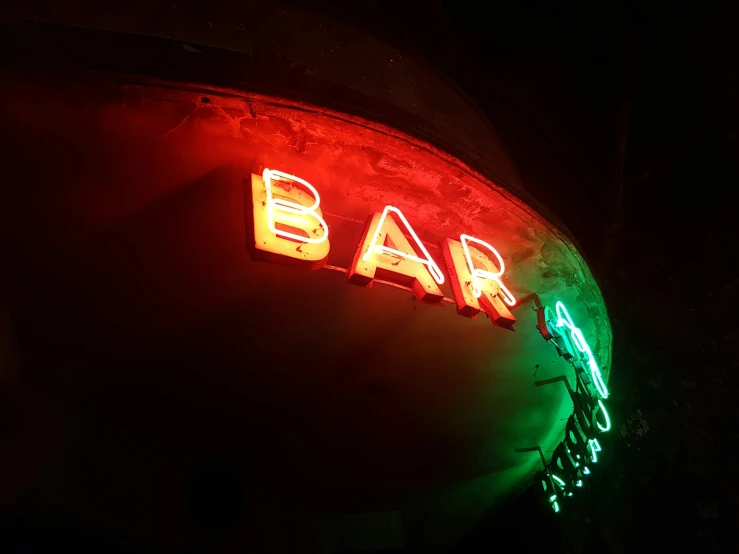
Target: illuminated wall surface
341,330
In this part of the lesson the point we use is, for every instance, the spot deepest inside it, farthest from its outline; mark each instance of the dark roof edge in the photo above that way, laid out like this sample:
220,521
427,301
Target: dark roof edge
41,47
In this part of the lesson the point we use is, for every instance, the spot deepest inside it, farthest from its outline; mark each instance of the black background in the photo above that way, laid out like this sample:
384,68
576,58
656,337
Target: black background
623,120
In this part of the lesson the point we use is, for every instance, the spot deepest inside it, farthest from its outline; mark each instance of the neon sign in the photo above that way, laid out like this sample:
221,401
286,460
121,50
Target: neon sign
577,339
288,227
594,447
291,208
590,416
375,248
476,281
288,223
398,258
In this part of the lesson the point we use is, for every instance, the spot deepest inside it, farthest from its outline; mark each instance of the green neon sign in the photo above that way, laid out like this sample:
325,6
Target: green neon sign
594,446
576,349
564,320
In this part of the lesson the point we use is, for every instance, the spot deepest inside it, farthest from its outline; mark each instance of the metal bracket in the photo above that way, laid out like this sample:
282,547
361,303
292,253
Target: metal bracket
530,298
534,449
555,380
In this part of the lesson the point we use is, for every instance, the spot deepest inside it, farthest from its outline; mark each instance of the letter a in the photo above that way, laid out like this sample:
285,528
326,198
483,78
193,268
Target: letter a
386,249
288,224
478,288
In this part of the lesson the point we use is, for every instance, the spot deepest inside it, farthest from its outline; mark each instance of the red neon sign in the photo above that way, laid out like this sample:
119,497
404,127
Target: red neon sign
384,247
476,281
287,219
289,226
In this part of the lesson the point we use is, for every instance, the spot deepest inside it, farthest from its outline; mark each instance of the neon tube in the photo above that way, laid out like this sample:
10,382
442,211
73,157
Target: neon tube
375,248
564,320
594,449
605,414
476,273
290,207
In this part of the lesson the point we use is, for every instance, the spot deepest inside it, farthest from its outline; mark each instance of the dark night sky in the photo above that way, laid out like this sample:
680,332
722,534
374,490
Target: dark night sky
555,80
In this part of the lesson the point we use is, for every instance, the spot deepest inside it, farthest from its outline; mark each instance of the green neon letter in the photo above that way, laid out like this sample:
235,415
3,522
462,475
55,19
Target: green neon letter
564,320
